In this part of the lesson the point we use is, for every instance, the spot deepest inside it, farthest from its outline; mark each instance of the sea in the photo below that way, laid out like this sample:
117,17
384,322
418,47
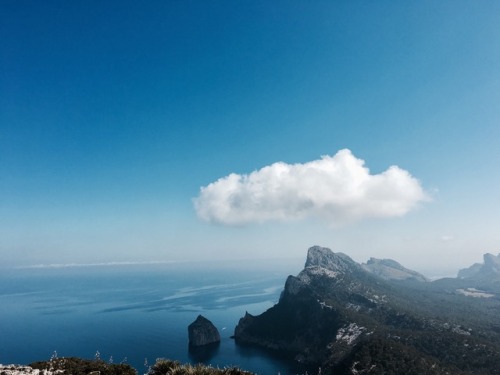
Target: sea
136,313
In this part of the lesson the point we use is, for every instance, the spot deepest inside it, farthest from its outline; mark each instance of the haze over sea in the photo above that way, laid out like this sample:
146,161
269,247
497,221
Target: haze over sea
136,312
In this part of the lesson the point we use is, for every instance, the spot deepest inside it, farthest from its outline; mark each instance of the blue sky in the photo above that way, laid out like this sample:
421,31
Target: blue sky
113,116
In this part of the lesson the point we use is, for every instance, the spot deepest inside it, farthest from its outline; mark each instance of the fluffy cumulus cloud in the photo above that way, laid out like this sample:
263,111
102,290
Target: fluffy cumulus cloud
338,189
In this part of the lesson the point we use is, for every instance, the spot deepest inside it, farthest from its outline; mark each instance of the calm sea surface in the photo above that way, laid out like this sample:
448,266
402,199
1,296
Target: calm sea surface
136,313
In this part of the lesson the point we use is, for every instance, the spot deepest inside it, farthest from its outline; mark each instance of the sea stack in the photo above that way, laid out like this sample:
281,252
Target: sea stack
202,332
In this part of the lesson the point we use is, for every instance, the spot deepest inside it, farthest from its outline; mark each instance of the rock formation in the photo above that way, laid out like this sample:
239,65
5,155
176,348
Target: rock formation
323,257
488,270
202,332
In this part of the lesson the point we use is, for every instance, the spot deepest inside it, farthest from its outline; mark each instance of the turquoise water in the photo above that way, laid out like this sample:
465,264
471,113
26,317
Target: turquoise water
136,313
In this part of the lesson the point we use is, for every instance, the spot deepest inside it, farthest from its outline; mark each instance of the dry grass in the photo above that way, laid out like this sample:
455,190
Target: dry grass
169,367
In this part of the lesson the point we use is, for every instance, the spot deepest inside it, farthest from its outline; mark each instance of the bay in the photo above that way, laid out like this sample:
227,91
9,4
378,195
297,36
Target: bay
137,313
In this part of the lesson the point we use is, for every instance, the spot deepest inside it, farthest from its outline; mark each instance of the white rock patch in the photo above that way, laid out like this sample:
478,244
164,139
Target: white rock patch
350,333
473,292
25,370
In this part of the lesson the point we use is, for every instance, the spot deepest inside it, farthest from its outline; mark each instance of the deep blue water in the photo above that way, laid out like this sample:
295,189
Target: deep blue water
137,312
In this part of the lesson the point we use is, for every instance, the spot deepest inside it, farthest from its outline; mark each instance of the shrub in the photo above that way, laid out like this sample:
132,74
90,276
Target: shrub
78,366
169,367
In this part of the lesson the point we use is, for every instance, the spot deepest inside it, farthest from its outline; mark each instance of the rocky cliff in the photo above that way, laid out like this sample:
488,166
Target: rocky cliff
338,315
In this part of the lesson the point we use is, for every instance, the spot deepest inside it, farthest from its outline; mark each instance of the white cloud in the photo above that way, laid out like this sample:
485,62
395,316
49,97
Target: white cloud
338,189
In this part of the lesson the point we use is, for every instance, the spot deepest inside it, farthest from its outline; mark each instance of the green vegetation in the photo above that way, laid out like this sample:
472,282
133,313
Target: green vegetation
79,366
168,367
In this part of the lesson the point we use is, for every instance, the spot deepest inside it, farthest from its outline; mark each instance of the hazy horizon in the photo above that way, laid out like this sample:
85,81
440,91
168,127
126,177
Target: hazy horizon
292,264
195,131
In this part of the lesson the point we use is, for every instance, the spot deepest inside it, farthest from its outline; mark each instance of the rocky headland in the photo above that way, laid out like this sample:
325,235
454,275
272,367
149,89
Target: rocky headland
377,318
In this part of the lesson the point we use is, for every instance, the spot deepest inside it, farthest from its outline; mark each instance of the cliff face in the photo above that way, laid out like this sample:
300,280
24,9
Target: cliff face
312,309
344,318
296,325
